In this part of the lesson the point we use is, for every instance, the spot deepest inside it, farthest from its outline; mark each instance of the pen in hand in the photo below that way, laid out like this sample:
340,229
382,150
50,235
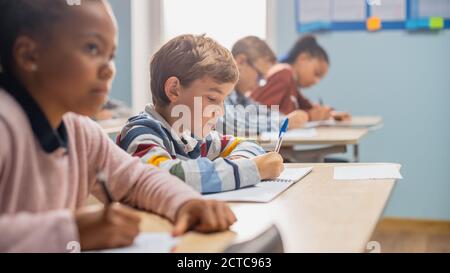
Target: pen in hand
283,130
101,178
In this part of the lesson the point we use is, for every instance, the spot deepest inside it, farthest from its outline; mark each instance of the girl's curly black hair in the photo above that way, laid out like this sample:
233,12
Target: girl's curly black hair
307,44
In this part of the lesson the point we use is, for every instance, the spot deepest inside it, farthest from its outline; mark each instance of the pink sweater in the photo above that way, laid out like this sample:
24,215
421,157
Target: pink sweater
40,191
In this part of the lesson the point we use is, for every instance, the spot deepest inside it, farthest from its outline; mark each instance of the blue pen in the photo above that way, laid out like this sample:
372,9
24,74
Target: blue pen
283,130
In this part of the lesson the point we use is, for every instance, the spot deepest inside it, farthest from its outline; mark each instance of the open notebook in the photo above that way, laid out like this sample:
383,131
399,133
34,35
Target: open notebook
266,190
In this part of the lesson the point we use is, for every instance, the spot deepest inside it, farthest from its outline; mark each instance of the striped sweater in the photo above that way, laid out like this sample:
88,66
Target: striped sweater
202,164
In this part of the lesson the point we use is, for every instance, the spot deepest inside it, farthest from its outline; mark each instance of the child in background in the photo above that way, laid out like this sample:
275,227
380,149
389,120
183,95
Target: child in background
190,78
57,65
306,64
253,56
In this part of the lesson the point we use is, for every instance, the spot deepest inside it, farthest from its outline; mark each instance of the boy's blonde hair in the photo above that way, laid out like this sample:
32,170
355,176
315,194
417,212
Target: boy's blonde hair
253,48
189,58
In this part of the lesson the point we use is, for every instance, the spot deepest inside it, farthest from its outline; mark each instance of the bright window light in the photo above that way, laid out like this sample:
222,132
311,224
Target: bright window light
224,20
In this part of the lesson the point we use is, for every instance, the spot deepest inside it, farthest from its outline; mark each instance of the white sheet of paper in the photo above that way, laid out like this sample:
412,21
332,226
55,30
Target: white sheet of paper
349,10
290,135
367,172
314,124
357,124
266,190
146,242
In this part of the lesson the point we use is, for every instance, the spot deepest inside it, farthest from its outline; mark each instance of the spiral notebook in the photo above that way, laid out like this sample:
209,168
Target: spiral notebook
265,191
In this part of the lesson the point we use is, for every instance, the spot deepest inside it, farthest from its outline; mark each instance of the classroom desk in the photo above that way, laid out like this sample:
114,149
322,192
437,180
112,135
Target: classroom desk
369,122
315,215
112,126
331,136
336,138
327,136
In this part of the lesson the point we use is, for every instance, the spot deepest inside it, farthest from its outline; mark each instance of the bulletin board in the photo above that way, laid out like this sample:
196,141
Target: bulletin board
372,15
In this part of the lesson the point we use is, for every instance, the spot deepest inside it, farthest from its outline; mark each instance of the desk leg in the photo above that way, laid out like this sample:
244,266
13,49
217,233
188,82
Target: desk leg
356,153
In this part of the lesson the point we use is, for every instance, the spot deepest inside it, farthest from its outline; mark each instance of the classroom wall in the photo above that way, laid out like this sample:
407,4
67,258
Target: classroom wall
121,88
405,78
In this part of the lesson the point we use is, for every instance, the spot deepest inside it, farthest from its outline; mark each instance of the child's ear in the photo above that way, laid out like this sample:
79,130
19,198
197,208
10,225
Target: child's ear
241,59
25,54
172,89
304,57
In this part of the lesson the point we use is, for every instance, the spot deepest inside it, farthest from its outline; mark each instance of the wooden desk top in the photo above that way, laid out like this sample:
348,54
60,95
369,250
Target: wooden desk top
325,136
361,121
315,215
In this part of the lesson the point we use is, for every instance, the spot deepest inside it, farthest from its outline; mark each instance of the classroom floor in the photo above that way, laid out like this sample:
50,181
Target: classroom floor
412,236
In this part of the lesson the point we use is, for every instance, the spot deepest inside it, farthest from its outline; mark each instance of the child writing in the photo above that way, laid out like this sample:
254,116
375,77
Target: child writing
306,64
56,68
253,56
190,77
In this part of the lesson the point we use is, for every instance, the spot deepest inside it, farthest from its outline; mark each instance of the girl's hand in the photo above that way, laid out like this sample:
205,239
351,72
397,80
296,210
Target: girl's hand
318,112
203,216
106,227
341,116
297,119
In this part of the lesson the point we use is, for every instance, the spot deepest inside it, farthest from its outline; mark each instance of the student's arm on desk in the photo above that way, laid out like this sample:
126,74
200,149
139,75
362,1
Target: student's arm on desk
154,189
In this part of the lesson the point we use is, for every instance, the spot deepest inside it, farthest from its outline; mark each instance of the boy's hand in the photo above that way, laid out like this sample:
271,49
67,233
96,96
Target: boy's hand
297,119
112,226
203,216
318,112
341,116
269,165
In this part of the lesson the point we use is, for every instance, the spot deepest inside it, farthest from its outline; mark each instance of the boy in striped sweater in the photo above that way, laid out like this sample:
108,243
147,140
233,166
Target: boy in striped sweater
190,78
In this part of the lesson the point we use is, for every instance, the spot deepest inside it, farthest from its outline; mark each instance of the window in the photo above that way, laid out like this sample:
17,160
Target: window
223,20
